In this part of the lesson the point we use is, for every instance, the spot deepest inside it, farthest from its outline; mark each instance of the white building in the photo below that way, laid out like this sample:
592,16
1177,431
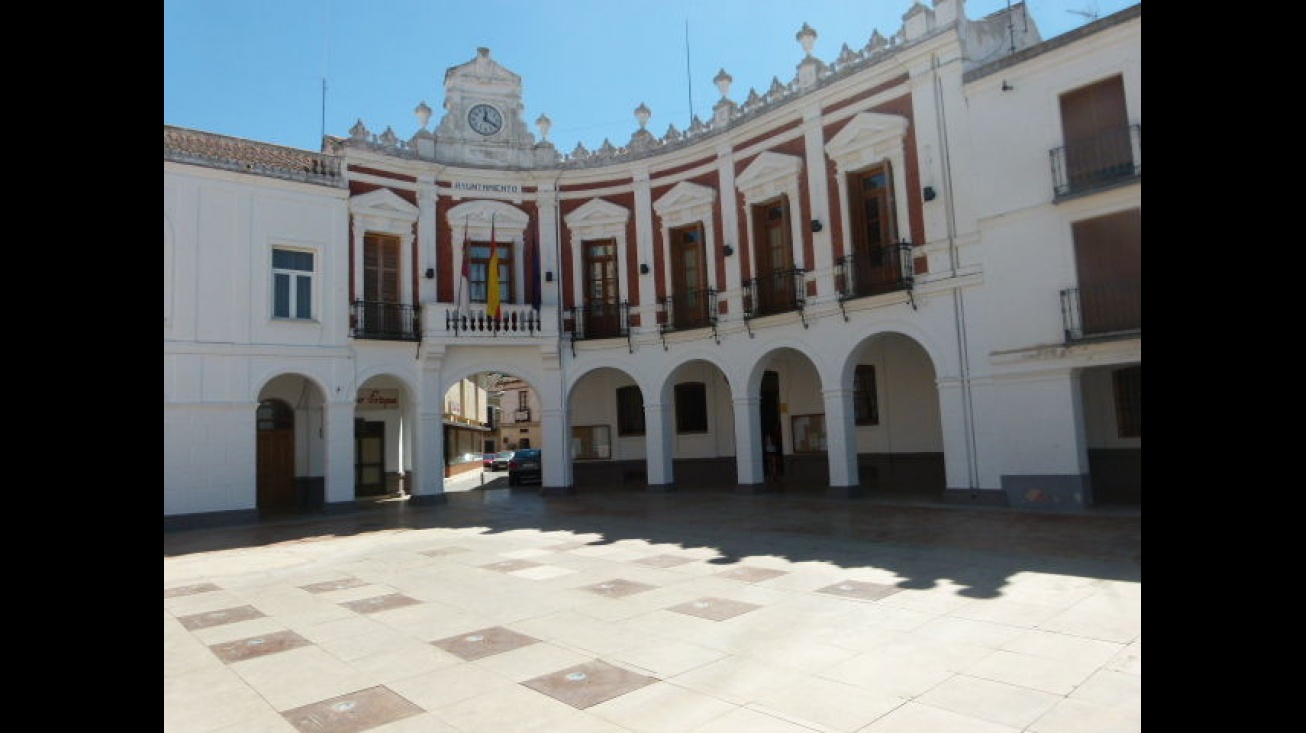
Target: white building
917,266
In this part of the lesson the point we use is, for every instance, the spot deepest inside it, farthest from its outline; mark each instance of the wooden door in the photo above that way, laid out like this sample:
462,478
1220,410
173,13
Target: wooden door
688,277
1095,126
369,458
602,317
872,220
775,257
276,470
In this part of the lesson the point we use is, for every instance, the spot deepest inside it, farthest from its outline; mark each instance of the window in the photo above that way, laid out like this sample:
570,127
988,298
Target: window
875,267
275,415
523,400
1095,125
380,268
292,283
590,442
630,411
1128,387
689,277
1109,271
809,433
776,279
480,272
866,404
691,407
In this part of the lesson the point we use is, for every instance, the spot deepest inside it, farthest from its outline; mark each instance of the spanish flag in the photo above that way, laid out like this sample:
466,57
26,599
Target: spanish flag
492,296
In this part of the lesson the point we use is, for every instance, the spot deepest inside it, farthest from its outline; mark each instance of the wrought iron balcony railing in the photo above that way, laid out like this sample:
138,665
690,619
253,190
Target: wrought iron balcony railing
379,321
687,311
885,269
1113,310
600,321
778,291
1091,163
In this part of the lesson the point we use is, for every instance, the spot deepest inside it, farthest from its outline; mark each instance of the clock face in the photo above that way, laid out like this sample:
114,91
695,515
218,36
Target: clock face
485,119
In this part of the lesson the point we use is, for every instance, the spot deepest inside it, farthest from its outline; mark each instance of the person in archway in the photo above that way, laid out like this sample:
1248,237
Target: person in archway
772,450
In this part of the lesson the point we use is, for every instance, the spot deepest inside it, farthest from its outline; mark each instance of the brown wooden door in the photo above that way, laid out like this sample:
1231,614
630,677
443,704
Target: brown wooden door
872,215
601,289
688,277
381,284
775,257
1109,269
276,469
1095,126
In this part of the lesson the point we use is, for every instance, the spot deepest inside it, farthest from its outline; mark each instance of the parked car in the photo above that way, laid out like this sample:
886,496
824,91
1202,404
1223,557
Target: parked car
525,467
500,460
487,460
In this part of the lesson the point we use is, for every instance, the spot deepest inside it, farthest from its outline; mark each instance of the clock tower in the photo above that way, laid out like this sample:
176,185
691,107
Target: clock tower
483,122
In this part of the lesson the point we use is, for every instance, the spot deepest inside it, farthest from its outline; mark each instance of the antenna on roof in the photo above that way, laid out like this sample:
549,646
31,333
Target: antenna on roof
688,77
1090,12
326,25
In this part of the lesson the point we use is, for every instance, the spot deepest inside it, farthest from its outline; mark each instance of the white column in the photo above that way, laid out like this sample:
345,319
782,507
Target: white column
643,249
818,195
658,444
728,200
547,201
358,261
556,453
841,440
339,469
748,441
426,230
428,442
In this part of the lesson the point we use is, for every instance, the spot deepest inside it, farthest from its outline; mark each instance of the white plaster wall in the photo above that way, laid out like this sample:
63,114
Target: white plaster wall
909,399
1027,250
219,344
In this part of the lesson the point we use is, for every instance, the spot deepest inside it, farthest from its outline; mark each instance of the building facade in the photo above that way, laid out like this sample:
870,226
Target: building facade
914,268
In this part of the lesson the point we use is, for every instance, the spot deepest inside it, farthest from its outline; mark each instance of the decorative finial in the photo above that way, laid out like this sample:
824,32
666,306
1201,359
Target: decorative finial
722,81
806,36
544,124
423,114
642,113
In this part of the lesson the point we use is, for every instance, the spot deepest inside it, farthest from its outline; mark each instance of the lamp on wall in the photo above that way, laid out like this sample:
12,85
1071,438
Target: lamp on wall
816,225
548,276
929,193
727,250
430,273
643,269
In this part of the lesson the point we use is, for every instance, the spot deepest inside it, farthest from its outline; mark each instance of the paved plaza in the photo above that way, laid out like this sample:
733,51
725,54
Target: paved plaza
500,611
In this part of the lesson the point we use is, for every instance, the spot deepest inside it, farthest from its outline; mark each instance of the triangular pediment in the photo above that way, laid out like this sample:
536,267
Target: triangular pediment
482,69
769,167
482,213
382,202
598,212
684,195
867,130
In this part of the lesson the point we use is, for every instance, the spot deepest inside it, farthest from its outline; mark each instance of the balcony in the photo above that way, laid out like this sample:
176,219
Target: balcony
1103,312
779,291
689,310
1105,160
374,320
513,321
600,321
882,270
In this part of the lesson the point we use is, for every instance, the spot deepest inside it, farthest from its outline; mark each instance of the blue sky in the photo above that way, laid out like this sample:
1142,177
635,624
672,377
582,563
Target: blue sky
255,68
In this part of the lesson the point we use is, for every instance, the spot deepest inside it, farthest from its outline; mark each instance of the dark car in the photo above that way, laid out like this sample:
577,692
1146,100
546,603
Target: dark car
499,461
525,467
